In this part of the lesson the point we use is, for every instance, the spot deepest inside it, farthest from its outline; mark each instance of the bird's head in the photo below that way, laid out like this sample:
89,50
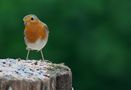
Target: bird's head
30,19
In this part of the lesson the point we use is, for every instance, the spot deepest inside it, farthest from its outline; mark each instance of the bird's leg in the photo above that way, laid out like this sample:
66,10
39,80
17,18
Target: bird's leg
27,54
42,54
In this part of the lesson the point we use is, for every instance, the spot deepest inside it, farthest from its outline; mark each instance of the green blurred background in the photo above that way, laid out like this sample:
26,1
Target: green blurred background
92,37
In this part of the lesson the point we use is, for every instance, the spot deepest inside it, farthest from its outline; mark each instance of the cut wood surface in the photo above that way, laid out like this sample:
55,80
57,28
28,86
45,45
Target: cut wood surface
17,74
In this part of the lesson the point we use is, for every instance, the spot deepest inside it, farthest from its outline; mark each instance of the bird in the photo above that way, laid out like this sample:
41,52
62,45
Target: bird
36,34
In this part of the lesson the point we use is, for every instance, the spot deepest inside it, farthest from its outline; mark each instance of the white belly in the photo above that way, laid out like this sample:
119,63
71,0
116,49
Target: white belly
38,45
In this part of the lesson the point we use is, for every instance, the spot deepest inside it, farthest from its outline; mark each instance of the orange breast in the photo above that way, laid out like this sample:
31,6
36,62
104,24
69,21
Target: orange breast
36,31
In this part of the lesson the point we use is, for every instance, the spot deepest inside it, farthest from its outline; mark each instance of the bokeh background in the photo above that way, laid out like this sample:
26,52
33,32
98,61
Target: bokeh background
92,37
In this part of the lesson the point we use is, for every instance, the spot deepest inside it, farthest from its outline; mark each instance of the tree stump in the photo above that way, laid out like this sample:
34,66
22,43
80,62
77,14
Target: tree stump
17,74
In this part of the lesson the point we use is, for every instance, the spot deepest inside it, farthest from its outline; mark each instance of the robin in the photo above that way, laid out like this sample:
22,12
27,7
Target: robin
36,34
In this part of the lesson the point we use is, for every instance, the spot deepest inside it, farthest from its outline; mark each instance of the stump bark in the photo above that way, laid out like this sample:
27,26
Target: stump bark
17,74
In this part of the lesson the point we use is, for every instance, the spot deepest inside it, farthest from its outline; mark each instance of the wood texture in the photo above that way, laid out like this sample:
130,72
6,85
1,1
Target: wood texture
56,76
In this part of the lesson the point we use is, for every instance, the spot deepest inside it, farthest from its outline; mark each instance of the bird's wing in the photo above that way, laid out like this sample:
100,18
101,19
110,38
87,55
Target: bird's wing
46,27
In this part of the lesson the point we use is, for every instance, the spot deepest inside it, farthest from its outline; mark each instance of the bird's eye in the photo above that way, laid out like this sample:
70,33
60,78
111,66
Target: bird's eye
32,18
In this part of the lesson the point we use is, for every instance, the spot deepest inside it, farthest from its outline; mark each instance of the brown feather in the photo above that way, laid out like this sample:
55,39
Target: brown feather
35,31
